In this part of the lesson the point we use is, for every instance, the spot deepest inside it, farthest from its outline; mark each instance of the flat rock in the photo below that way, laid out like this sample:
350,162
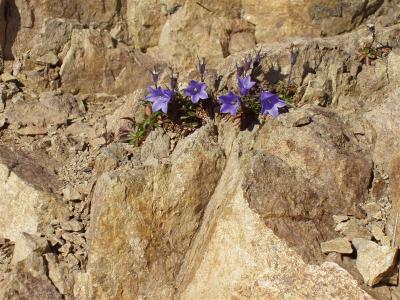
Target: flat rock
339,245
340,218
25,245
373,261
49,58
352,229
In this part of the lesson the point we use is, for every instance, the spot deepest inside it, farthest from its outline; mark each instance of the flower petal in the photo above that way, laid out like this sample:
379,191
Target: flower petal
274,112
195,98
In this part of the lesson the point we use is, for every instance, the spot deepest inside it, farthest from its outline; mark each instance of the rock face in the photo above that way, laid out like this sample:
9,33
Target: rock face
29,281
297,202
163,211
134,230
183,25
94,63
25,18
28,202
223,212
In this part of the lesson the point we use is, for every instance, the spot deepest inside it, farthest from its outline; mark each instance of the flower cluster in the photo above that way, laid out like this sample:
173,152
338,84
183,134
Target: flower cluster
231,103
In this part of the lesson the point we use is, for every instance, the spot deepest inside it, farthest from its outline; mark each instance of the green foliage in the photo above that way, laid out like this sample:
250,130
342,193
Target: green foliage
136,137
185,113
287,92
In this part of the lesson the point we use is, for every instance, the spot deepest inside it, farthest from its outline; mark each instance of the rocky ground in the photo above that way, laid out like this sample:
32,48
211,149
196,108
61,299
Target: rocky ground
304,206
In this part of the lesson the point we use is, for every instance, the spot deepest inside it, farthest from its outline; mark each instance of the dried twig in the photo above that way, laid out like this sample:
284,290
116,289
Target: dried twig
395,230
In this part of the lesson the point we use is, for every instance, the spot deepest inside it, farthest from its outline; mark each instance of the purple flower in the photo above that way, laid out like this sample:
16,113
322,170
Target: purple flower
270,103
160,98
230,103
196,91
245,84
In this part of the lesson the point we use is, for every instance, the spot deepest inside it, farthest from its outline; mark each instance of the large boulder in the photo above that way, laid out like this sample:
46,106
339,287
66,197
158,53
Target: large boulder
95,64
25,18
28,201
143,220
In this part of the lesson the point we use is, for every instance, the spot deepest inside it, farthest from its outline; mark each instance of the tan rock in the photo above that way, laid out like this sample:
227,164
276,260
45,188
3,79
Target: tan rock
25,245
28,203
71,225
377,232
373,210
339,245
49,58
158,211
60,275
28,280
54,35
373,261
340,218
93,64
236,256
353,229
3,25
304,18
25,19
298,153
241,41
207,35
145,20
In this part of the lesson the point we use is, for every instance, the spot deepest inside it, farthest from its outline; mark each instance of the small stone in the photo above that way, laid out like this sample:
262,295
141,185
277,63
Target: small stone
373,210
373,261
339,245
11,90
65,249
352,229
68,236
377,232
27,244
17,98
54,222
98,142
48,59
7,77
71,194
3,122
32,131
296,119
340,218
386,241
59,274
302,121
54,240
71,260
72,225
